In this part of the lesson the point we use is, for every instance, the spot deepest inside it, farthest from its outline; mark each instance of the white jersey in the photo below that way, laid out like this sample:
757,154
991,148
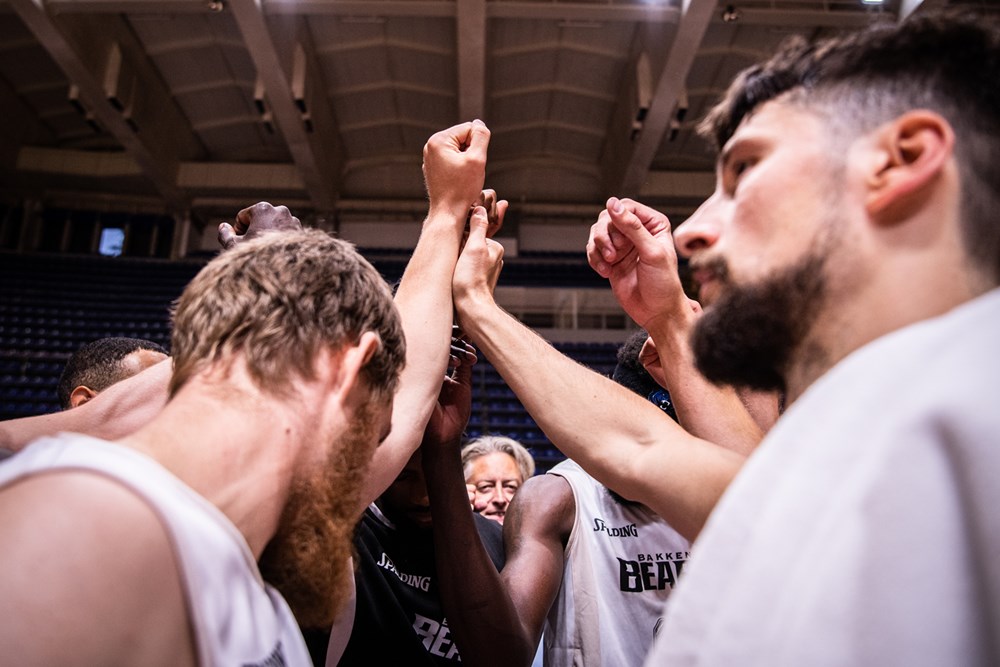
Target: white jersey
865,530
621,563
238,620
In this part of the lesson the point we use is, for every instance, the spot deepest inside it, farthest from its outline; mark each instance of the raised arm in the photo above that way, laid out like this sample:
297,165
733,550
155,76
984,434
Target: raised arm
112,414
454,170
482,619
618,437
631,245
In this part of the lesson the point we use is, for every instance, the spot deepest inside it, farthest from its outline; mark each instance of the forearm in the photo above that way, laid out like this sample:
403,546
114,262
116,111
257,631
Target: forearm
705,410
114,413
424,302
622,440
480,613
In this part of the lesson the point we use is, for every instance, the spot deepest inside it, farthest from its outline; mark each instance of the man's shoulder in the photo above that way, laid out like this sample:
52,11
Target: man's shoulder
544,507
547,491
121,557
91,511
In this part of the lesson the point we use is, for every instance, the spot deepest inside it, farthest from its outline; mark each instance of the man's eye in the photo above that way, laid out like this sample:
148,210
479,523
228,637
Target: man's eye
737,168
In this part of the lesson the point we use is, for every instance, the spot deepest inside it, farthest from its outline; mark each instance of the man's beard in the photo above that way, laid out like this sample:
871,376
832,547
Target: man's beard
748,337
307,559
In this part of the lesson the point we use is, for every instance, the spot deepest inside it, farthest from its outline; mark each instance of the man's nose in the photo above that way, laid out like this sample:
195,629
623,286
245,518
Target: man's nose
700,231
497,496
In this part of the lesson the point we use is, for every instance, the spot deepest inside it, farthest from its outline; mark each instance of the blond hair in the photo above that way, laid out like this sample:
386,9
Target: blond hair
276,301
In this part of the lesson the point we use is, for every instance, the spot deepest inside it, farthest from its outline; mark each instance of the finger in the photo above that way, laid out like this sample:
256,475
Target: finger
284,212
652,219
227,236
479,503
487,199
245,217
648,352
463,375
479,140
618,240
496,222
461,353
458,336
460,347
630,227
478,225
600,251
455,137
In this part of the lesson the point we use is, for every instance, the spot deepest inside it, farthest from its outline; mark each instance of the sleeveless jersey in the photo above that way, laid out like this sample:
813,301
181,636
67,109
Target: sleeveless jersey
237,619
396,615
621,563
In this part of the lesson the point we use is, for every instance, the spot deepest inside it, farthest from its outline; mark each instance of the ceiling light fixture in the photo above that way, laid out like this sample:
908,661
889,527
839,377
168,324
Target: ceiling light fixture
730,14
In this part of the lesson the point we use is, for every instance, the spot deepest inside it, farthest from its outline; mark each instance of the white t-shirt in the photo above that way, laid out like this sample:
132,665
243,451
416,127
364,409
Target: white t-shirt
865,530
238,620
621,563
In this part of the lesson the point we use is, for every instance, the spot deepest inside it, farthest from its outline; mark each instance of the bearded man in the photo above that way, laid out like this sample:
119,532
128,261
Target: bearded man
849,258
143,551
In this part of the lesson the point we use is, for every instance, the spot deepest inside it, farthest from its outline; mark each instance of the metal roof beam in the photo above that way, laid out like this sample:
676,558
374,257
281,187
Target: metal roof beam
318,168
697,14
158,160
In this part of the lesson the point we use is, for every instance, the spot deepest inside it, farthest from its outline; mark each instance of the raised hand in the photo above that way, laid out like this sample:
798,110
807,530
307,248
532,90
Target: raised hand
455,167
607,245
451,414
479,265
632,246
496,209
255,220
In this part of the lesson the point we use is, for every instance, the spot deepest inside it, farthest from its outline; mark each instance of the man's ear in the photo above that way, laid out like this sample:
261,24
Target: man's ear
912,152
80,395
353,358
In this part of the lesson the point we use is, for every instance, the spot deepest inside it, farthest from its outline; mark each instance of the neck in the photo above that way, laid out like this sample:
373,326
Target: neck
898,294
233,445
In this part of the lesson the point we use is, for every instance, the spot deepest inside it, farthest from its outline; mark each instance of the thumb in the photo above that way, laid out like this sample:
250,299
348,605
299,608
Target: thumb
479,139
227,236
478,225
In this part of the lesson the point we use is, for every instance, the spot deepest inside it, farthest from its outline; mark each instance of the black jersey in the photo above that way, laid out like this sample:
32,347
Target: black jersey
398,616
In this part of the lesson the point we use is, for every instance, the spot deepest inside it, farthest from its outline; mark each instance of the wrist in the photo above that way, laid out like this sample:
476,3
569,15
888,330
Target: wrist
451,211
473,308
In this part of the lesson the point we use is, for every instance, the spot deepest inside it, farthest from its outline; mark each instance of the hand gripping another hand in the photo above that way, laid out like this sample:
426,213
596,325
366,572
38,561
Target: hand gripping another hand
479,265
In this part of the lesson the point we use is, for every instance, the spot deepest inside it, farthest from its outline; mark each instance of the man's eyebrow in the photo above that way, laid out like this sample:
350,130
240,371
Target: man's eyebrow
726,154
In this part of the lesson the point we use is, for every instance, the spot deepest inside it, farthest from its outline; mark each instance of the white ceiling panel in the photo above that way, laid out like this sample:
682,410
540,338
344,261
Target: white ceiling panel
351,90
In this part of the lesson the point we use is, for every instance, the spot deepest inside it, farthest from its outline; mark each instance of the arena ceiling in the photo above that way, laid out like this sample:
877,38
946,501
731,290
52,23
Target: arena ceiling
206,105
